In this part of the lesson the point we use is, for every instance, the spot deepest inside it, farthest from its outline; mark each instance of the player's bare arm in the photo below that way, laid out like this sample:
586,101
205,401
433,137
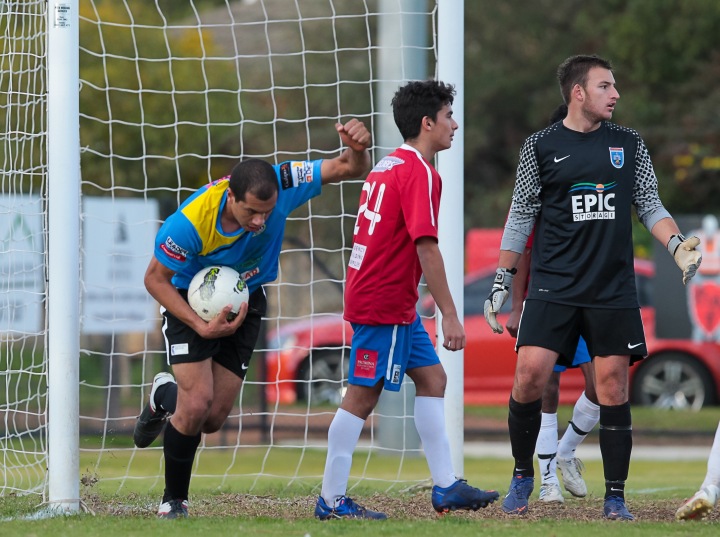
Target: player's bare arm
518,292
433,268
158,282
354,161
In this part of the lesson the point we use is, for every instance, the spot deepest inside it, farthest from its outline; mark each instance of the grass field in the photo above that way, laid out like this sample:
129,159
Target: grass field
655,490
245,503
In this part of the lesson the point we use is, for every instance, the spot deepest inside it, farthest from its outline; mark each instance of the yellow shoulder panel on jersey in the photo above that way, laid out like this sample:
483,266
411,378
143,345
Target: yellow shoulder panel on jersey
203,213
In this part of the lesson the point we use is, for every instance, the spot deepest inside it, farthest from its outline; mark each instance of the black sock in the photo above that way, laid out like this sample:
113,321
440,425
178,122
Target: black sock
166,397
615,447
179,451
524,421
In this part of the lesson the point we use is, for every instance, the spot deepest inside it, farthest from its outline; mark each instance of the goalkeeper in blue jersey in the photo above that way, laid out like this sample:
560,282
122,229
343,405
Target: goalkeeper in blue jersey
237,221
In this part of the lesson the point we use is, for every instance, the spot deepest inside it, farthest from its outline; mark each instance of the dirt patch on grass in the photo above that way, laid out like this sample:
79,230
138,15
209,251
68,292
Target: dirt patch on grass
409,507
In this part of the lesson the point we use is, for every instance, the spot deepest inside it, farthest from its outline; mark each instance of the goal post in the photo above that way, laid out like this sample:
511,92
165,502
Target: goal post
63,257
451,56
135,105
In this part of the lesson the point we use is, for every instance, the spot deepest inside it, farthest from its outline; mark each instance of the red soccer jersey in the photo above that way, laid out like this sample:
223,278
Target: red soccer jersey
398,205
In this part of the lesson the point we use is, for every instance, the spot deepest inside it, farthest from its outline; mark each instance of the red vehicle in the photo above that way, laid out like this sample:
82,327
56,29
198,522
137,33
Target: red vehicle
313,358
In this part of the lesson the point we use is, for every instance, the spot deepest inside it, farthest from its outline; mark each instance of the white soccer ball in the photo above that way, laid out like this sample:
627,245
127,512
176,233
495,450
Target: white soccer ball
215,287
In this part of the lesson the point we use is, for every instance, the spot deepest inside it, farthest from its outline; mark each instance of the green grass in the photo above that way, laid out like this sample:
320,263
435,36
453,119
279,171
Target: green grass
230,527
645,419
248,503
243,505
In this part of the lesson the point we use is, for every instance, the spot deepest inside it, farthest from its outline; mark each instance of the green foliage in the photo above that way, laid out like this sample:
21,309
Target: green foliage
666,66
166,105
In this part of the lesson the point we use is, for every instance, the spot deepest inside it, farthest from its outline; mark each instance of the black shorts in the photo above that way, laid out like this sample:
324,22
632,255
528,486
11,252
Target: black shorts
558,327
184,345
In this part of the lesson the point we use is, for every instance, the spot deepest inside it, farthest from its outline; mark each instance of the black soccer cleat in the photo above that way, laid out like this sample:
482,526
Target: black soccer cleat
151,420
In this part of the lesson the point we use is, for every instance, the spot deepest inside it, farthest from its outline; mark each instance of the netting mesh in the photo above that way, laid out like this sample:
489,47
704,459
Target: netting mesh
23,369
172,95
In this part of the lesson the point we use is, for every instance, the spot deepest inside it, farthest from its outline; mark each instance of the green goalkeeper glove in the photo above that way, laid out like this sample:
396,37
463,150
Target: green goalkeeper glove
497,297
685,254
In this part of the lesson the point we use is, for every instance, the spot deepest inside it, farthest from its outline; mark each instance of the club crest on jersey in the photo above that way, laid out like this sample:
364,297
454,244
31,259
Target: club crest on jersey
617,156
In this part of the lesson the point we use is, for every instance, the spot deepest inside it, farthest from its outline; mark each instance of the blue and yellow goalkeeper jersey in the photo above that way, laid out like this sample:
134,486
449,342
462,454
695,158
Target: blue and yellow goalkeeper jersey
192,237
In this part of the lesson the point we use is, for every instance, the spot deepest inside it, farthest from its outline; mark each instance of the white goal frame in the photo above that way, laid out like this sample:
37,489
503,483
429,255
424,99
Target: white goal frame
64,236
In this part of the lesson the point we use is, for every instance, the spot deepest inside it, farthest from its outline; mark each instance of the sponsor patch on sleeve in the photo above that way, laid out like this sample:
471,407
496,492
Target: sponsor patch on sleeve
302,172
295,173
365,363
286,180
173,250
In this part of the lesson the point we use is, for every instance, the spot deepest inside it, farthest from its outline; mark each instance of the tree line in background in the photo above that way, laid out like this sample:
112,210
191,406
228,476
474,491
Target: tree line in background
665,54
667,67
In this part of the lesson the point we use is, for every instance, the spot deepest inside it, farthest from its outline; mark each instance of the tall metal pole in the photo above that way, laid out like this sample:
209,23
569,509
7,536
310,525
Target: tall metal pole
402,56
451,58
63,256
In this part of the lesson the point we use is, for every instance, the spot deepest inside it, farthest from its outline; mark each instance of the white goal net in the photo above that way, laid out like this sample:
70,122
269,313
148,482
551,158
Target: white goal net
172,94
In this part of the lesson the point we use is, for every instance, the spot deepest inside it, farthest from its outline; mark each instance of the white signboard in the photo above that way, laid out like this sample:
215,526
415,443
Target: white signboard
22,269
118,239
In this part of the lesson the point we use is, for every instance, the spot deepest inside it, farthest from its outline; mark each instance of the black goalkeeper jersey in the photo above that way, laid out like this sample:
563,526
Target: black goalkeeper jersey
577,190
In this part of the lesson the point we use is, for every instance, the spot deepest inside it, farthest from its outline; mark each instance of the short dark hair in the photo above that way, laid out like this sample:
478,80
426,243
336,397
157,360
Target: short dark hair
559,114
417,99
253,176
575,69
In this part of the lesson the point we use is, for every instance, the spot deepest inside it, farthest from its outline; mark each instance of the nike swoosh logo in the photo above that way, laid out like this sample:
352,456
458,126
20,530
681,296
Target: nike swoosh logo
633,346
559,159
244,366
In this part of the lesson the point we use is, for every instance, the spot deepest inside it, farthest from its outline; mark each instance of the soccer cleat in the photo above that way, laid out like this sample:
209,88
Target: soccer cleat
151,421
345,508
550,493
615,509
173,509
699,506
571,471
516,500
460,495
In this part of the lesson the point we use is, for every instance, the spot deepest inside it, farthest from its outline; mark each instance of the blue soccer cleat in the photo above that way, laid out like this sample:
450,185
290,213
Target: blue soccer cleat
345,508
615,509
516,500
460,495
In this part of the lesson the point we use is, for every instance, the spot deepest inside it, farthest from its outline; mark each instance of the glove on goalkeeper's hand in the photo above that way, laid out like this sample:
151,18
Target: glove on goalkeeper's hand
685,254
497,297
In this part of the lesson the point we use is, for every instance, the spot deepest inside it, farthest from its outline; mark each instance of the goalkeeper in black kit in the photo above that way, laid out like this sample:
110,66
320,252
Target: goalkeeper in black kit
576,183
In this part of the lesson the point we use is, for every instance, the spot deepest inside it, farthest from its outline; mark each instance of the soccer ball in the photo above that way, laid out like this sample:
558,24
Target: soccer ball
215,287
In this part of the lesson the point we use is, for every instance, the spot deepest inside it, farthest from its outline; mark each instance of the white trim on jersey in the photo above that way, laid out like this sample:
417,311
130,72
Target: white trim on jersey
429,178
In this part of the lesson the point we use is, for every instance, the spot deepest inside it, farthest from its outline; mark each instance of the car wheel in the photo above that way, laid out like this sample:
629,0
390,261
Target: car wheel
674,381
322,377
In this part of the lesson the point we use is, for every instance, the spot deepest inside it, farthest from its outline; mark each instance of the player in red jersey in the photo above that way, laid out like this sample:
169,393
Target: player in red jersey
395,242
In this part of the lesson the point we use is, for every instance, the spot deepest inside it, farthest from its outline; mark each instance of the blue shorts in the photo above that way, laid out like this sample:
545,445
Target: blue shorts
387,351
582,356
